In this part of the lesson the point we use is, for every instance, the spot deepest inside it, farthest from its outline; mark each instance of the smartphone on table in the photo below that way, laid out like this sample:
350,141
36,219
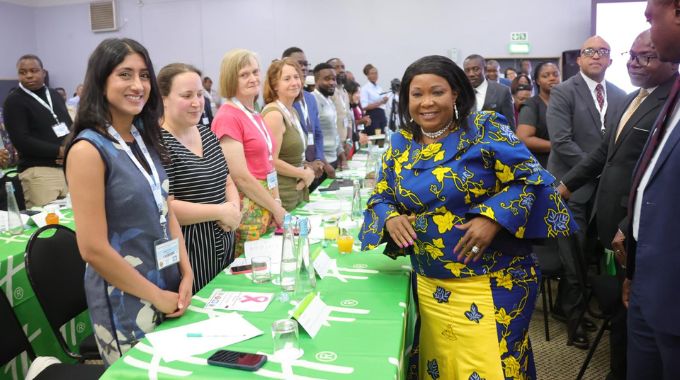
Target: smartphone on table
237,360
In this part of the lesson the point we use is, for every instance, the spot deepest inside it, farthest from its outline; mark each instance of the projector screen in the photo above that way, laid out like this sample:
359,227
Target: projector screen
619,23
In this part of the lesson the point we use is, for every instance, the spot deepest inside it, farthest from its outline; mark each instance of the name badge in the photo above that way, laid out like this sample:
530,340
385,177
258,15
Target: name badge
310,139
167,253
206,122
272,181
60,129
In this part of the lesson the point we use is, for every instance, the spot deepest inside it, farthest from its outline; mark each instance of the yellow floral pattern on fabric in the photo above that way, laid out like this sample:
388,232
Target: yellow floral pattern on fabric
481,169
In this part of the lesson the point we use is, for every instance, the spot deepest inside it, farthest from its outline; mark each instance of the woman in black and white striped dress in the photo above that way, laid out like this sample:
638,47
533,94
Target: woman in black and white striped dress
206,200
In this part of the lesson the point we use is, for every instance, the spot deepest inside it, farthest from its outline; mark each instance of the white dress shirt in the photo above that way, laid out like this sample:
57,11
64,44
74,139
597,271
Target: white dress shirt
591,86
480,95
371,93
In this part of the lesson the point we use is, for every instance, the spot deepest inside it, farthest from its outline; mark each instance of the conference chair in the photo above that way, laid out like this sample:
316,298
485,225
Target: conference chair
551,269
56,271
15,342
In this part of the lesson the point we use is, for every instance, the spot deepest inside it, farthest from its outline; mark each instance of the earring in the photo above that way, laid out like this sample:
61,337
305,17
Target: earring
411,120
455,110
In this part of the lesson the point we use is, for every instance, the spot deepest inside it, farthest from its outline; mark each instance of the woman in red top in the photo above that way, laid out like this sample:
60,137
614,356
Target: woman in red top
247,144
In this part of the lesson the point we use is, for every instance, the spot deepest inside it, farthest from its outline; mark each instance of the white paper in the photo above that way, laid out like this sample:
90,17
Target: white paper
39,219
3,219
239,301
174,344
323,264
333,206
313,315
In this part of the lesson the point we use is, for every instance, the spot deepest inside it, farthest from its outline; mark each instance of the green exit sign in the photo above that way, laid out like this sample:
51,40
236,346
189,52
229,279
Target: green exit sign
519,37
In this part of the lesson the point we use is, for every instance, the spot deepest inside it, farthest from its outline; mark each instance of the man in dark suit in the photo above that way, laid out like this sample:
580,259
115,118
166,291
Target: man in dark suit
491,96
614,161
578,111
651,234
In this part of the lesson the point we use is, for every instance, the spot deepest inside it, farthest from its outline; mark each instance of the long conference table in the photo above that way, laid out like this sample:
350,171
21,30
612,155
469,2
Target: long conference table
14,283
367,335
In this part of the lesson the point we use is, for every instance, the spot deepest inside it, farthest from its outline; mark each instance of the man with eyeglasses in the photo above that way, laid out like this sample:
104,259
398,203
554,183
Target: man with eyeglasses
578,111
614,160
309,119
652,243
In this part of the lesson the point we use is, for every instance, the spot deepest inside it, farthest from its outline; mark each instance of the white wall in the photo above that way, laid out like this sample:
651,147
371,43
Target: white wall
17,37
387,33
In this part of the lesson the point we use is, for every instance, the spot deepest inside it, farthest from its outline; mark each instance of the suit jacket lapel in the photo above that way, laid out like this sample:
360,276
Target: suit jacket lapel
584,94
666,150
490,96
613,143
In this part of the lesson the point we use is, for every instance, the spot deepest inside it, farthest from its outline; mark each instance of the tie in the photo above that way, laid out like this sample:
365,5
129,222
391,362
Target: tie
653,142
599,93
631,110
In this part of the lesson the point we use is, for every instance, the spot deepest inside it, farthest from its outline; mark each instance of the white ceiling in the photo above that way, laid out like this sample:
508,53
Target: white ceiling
45,3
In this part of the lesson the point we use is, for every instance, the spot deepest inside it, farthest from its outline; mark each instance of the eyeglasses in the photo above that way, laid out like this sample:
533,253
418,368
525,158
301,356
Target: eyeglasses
642,60
590,52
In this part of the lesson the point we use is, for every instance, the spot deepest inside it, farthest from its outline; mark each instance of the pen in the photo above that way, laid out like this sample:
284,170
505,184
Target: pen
201,335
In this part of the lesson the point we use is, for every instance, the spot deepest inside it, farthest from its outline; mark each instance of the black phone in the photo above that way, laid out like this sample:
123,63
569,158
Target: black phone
242,269
237,360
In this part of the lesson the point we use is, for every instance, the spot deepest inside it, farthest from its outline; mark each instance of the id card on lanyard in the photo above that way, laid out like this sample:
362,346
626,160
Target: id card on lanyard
272,180
59,128
167,250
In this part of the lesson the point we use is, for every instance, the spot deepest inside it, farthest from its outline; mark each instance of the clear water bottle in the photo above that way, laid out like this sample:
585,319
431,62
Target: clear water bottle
357,206
306,275
15,225
289,265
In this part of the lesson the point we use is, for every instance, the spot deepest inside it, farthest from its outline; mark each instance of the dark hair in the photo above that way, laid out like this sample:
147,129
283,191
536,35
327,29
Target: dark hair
477,56
537,71
30,56
522,87
319,67
442,67
290,51
351,87
331,60
205,78
168,73
515,82
505,72
93,109
368,68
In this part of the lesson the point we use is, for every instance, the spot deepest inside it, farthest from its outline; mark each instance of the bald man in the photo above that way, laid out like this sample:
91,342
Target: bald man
578,113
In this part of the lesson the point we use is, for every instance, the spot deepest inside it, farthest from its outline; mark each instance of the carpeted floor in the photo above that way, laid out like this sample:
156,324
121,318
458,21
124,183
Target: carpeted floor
557,361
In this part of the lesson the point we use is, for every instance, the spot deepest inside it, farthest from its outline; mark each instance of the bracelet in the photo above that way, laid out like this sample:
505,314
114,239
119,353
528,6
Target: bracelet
278,200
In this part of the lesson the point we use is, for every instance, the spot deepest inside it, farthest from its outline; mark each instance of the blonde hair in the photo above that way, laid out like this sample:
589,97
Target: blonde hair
274,75
232,63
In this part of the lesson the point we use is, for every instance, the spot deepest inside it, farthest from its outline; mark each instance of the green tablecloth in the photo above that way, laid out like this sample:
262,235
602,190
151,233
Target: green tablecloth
15,285
366,337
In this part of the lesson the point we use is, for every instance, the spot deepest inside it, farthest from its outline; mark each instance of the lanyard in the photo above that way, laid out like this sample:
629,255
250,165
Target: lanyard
328,101
305,113
293,119
153,180
259,125
42,102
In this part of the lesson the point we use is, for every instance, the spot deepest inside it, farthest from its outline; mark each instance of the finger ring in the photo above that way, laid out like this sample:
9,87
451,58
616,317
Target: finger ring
475,250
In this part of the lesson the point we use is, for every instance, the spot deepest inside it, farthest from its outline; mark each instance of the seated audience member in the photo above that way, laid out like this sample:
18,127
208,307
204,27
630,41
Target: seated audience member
324,77
121,206
206,201
493,69
373,100
532,128
521,79
510,73
360,119
282,87
489,96
37,122
72,103
248,146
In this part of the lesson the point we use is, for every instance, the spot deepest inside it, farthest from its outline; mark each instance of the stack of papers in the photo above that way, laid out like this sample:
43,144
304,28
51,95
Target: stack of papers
201,337
239,301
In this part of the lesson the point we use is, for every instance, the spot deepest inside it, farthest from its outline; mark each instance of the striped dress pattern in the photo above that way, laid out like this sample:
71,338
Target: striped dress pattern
202,180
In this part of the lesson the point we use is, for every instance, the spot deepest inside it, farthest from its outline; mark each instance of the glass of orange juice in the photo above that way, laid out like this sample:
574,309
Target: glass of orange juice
345,243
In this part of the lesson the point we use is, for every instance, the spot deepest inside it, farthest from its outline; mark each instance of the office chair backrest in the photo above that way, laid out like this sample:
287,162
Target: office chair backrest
14,341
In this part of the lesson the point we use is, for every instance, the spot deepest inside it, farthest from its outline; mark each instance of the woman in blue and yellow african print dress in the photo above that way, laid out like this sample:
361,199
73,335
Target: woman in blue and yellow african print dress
461,194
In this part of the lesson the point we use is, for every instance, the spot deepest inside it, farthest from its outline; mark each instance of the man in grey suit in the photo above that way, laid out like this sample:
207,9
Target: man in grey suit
578,111
491,96
614,162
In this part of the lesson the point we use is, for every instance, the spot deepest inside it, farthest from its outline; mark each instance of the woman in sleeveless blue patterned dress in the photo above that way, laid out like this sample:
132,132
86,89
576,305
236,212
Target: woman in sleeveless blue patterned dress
120,201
